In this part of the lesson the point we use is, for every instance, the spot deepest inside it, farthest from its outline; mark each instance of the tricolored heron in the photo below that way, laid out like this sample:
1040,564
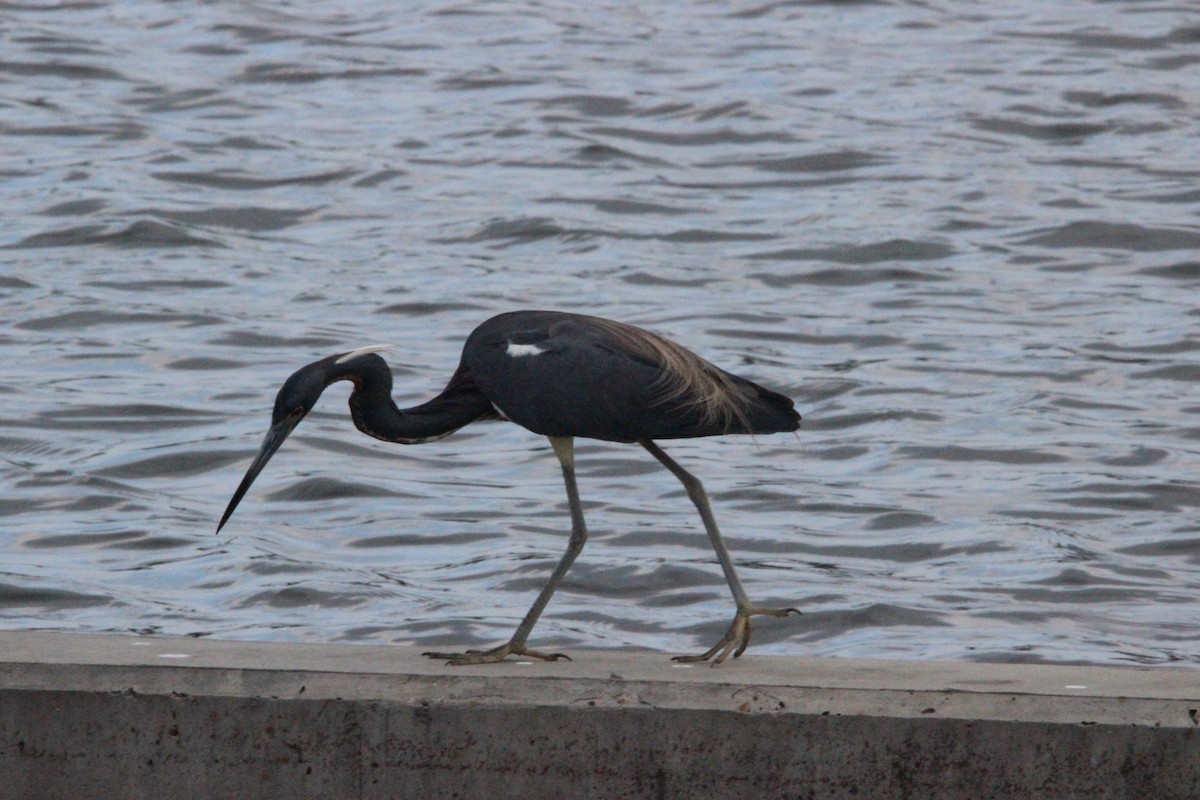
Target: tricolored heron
561,375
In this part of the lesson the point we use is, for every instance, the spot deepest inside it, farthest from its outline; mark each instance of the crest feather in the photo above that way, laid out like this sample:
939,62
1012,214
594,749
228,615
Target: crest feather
362,351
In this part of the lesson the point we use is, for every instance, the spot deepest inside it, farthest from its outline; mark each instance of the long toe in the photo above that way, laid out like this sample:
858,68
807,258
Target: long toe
440,656
494,656
775,612
737,635
705,656
542,656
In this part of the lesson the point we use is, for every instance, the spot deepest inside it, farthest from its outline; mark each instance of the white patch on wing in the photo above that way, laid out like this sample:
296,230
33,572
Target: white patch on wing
362,351
500,412
518,350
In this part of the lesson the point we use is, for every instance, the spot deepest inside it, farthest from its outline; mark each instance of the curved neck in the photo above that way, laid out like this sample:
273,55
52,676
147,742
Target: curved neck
375,413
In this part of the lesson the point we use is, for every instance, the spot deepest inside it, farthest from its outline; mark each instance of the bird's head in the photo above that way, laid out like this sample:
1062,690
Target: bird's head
296,398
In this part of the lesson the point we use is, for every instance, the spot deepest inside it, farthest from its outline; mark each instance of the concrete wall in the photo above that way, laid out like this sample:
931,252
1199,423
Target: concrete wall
112,717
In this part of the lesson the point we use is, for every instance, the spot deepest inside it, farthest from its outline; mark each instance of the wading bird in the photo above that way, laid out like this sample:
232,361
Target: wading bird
561,375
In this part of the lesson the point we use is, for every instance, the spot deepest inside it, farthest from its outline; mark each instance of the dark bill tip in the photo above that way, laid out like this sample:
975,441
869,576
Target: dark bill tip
271,443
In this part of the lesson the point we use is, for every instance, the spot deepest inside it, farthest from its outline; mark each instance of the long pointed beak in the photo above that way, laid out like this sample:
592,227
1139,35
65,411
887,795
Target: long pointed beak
275,437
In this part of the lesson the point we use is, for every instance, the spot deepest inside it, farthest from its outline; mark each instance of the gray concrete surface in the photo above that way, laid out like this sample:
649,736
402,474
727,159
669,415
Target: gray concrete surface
85,716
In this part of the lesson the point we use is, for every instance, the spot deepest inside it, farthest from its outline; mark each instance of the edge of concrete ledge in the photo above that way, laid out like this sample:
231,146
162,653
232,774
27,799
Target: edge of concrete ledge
631,723
1012,692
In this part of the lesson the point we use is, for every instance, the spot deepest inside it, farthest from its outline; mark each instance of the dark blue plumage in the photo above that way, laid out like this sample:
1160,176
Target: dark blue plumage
586,382
560,375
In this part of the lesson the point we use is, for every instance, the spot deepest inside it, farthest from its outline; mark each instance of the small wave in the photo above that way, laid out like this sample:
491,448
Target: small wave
82,320
143,233
47,598
235,179
833,161
1129,236
846,277
874,253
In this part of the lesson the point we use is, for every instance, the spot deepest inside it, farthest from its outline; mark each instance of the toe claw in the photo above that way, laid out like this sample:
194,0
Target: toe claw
745,642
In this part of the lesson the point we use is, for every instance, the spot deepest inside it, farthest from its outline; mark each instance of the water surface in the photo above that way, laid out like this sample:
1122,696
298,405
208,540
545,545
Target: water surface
964,237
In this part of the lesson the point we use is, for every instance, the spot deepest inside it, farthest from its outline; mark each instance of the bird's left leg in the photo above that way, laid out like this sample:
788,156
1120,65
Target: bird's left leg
737,638
564,448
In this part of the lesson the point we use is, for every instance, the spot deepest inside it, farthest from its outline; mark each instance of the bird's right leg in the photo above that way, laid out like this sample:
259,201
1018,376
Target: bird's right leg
564,448
737,638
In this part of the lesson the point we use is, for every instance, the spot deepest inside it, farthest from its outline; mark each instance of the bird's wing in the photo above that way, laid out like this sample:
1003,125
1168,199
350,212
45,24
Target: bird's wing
568,377
575,376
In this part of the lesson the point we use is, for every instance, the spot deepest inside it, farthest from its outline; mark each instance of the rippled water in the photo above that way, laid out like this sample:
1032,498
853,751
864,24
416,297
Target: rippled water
963,236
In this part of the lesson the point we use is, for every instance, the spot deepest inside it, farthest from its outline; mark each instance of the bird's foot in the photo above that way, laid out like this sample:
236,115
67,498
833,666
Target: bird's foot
738,635
495,655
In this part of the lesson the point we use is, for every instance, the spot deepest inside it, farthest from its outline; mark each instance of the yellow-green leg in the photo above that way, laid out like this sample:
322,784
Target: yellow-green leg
737,638
564,448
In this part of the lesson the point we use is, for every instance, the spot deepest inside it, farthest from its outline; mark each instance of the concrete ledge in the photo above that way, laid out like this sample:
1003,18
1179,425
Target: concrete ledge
85,716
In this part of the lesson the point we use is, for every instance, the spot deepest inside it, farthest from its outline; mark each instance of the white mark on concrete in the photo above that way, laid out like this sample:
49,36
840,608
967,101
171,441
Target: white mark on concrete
174,655
682,666
518,350
1074,686
139,644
